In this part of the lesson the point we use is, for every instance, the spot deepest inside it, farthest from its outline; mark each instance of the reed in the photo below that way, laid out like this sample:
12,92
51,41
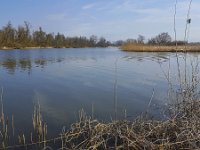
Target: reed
159,48
180,131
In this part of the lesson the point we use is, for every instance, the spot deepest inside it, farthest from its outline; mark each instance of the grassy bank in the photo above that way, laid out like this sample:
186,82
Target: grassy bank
160,48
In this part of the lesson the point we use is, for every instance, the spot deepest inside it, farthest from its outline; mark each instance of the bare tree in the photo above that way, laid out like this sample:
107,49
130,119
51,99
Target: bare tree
140,39
162,38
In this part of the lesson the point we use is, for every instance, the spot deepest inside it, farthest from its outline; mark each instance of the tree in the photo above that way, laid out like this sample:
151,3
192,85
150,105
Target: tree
59,40
93,40
163,38
8,35
23,37
118,43
102,42
131,41
50,40
39,37
140,39
1,38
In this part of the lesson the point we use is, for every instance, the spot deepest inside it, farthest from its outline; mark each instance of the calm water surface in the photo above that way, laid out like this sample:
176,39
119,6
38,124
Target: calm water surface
66,80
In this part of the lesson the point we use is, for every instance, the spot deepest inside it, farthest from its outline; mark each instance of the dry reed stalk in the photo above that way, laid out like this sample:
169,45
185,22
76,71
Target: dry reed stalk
178,132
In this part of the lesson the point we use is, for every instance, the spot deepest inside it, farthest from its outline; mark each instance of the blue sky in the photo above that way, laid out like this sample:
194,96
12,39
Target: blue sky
112,19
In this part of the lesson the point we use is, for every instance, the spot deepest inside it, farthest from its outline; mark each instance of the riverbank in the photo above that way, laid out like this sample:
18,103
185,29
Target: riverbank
159,48
24,48
27,48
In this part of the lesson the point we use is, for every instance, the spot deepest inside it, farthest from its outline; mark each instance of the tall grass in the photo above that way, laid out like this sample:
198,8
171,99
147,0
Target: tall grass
159,48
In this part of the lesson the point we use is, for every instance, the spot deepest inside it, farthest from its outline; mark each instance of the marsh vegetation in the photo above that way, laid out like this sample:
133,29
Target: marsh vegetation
160,43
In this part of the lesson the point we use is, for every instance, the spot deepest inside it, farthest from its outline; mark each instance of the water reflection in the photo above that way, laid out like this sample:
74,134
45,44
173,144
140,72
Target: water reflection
157,57
11,65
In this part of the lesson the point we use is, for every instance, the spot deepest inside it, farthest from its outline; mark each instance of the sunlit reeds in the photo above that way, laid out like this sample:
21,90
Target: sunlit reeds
159,48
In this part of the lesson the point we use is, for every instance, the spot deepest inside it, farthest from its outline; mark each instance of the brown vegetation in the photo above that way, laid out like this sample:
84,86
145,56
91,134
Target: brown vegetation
179,132
159,48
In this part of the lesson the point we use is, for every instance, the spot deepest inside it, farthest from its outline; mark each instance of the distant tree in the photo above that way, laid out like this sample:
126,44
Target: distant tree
50,40
140,39
163,38
152,41
8,35
23,37
102,42
131,41
28,33
1,38
59,41
93,40
108,43
39,37
178,43
118,43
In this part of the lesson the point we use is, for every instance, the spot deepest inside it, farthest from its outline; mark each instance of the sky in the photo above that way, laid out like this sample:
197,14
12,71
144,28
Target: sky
112,19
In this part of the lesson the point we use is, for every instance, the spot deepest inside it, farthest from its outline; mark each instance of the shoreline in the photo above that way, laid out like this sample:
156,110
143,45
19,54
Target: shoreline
27,48
24,48
157,48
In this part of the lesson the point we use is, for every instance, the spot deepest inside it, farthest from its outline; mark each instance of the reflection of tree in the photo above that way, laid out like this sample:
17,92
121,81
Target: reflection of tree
10,65
26,64
40,62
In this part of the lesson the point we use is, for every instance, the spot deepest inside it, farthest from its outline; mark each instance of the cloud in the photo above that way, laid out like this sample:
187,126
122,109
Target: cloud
88,6
56,17
127,18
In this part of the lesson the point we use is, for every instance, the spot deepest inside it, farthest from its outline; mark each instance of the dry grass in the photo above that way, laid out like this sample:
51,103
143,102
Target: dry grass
181,131
160,48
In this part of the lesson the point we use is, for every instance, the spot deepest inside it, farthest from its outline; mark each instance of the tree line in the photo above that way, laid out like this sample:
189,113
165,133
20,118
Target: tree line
161,39
22,37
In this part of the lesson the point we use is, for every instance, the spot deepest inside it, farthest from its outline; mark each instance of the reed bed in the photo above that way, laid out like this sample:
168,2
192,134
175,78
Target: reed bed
180,131
160,48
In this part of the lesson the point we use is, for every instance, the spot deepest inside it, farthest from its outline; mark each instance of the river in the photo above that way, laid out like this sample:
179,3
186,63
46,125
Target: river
98,80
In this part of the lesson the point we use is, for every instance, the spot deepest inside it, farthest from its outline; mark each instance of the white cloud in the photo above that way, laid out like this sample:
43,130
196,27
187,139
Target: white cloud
128,18
88,6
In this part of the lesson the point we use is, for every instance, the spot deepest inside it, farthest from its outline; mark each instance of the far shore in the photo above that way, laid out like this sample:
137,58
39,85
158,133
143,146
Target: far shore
26,48
160,48
22,48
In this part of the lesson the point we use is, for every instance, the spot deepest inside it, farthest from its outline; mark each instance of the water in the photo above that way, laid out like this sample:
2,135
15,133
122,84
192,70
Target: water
67,80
